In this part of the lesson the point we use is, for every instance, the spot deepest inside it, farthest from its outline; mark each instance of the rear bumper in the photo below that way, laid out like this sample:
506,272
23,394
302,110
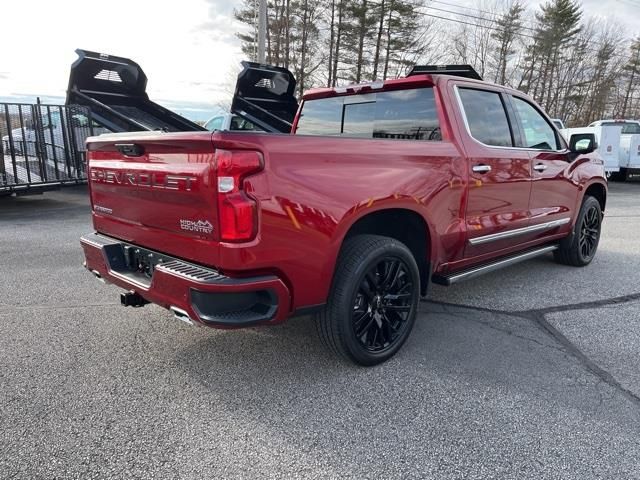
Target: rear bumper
204,294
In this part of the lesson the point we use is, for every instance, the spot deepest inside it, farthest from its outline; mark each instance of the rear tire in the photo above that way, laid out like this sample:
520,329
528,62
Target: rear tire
373,302
580,247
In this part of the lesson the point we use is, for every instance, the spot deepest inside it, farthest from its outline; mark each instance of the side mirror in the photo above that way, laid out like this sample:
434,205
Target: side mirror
583,143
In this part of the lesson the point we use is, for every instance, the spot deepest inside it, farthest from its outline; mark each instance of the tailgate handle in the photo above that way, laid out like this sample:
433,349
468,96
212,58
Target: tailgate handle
130,149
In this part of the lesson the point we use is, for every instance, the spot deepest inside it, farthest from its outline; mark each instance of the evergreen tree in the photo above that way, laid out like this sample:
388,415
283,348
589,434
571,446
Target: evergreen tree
632,73
509,27
558,23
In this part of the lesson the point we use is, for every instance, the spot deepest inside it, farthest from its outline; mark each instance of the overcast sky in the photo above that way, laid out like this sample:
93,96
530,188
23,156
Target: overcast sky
187,48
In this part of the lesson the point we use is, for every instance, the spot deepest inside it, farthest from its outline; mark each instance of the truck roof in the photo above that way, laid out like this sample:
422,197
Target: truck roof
412,81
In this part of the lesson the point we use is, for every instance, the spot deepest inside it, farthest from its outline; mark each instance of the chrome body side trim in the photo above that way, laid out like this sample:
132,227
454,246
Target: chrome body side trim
519,231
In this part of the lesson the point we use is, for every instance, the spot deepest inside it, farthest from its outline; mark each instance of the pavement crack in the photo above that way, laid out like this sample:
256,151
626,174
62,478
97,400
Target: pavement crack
589,364
538,316
589,305
510,332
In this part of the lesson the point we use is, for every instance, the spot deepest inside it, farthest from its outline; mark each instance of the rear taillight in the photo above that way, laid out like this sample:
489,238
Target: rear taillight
237,211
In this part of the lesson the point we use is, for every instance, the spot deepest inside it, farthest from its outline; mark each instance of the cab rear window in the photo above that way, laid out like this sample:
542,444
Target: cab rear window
627,127
399,115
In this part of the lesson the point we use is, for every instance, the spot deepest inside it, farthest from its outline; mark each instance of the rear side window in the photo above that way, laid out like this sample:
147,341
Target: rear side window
400,115
486,117
537,131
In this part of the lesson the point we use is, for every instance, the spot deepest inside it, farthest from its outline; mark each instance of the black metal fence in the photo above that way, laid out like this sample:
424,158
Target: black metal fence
43,145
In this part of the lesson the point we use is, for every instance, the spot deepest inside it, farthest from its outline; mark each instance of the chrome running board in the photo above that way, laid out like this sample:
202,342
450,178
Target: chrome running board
451,278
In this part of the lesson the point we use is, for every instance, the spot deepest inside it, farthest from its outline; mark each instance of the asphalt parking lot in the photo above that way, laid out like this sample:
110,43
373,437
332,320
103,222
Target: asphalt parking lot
529,372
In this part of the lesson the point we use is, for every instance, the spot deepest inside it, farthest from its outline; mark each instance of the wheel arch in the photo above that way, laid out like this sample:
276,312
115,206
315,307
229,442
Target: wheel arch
599,191
403,224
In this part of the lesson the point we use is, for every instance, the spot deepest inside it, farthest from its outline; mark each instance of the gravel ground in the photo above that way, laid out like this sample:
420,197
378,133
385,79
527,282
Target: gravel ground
531,372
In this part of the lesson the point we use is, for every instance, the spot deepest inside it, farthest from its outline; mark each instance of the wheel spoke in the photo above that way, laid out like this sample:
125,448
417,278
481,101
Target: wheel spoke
358,321
391,269
390,297
375,337
389,323
366,291
365,326
398,308
399,270
371,280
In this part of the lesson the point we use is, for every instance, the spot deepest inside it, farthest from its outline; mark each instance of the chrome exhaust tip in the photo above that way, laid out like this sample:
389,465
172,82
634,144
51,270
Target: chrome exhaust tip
98,276
181,315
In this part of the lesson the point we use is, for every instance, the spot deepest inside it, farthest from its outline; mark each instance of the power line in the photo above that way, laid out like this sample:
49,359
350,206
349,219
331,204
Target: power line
462,7
629,3
472,24
475,17
494,28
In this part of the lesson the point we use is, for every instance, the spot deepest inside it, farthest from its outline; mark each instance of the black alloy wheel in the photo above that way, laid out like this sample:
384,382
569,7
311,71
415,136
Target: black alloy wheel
589,232
382,304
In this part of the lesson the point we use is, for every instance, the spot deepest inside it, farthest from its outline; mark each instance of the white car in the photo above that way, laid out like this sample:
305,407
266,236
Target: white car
17,136
558,123
230,122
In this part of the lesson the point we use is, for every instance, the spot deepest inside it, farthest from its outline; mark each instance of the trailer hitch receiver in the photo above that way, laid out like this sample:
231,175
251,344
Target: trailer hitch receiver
132,299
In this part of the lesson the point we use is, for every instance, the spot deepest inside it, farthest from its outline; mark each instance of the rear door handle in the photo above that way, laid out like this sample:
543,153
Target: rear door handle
540,167
481,168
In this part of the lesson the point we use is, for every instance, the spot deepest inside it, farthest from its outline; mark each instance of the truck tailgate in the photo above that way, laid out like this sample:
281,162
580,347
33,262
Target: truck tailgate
156,190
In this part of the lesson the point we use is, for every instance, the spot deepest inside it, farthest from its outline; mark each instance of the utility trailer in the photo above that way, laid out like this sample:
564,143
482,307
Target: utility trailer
43,146
114,88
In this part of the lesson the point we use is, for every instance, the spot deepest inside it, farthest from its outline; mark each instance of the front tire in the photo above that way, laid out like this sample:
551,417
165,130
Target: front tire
374,300
579,248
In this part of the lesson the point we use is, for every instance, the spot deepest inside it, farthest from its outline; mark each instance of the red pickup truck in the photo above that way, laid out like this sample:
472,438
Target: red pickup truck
378,190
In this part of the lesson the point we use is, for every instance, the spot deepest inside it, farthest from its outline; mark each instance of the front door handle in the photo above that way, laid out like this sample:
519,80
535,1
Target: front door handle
540,167
481,168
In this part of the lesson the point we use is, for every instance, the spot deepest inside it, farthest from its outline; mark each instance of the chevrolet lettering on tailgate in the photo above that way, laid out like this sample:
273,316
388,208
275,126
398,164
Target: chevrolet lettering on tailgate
143,179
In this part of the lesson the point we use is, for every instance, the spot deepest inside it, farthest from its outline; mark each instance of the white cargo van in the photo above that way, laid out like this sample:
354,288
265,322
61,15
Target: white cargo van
629,152
608,138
